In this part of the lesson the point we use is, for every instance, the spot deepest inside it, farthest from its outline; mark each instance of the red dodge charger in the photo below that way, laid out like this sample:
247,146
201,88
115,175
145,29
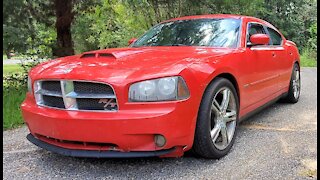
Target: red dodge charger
185,84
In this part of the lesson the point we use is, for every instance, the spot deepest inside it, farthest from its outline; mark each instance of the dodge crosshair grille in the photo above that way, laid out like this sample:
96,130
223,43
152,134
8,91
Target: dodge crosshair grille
75,95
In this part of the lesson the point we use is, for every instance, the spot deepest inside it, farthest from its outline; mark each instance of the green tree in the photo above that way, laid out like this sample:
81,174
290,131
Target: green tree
293,18
65,27
15,27
107,25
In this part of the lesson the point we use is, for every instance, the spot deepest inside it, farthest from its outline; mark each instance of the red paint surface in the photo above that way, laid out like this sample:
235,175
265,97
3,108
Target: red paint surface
261,74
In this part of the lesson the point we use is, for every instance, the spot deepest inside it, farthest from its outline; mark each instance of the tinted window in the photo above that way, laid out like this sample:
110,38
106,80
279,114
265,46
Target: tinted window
197,32
254,29
275,37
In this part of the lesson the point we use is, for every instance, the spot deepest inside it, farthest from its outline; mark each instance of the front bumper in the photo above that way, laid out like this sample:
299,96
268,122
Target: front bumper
95,153
81,133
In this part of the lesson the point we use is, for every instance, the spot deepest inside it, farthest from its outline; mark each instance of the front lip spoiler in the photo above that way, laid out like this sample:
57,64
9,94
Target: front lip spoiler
96,153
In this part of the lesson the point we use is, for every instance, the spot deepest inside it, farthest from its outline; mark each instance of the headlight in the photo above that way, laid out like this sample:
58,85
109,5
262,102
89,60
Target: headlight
29,85
146,88
162,89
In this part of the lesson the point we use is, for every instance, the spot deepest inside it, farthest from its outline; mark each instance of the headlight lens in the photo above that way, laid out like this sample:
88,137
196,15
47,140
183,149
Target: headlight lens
146,88
29,85
162,89
167,86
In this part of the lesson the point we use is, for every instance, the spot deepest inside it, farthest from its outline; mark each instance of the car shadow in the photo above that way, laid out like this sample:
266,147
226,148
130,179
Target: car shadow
259,117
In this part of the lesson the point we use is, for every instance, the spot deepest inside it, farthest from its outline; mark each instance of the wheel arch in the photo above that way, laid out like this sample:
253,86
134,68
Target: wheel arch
232,79
227,75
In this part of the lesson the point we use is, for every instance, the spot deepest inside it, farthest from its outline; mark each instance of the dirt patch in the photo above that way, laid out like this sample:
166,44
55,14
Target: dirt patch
309,168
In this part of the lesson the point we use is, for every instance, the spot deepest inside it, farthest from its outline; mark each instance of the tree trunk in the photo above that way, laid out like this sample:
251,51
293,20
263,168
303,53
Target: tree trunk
8,54
64,18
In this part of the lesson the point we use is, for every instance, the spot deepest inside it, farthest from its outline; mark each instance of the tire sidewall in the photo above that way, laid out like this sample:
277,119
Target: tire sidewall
205,110
291,90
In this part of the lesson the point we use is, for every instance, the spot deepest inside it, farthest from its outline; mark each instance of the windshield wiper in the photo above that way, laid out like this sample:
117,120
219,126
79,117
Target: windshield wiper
174,45
179,45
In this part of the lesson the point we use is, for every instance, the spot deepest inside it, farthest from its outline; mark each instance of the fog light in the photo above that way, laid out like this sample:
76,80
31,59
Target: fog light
159,140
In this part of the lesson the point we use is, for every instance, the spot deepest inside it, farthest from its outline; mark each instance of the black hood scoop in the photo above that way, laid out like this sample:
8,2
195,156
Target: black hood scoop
92,55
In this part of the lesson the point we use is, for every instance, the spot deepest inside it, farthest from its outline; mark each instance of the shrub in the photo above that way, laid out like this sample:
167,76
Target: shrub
14,91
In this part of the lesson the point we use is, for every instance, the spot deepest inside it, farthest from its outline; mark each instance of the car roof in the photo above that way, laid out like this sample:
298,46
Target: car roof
232,16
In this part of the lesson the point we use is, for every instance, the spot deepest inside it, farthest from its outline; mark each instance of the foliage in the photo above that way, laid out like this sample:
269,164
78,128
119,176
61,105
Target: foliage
18,80
106,26
112,23
11,69
31,27
12,99
41,45
14,27
307,58
14,91
312,42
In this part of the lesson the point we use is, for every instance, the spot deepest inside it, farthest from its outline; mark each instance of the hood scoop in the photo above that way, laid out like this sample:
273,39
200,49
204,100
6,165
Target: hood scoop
106,55
103,55
88,55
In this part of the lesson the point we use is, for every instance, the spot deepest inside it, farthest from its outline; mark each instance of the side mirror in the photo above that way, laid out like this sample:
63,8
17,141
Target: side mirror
132,40
259,39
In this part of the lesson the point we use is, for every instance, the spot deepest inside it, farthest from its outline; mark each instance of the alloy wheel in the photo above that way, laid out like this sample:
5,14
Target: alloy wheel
296,84
223,118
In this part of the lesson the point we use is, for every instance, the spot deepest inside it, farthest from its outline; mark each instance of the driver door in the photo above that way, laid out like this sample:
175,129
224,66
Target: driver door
263,78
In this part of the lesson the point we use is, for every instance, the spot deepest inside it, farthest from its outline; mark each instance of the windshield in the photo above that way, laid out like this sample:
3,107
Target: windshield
196,32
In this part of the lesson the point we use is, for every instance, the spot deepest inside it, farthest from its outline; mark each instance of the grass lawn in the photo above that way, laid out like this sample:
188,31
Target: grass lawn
308,58
307,61
12,99
12,68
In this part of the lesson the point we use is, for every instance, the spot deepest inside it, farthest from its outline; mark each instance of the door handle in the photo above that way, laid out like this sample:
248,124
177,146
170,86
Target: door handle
273,54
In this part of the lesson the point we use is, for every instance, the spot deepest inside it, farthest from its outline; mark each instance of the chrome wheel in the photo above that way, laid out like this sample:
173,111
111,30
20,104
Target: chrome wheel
223,118
296,84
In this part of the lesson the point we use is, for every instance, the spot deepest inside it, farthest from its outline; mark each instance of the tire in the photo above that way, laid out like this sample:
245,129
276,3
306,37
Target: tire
294,87
213,121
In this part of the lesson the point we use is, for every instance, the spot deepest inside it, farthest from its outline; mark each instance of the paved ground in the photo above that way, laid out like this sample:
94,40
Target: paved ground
16,61
278,143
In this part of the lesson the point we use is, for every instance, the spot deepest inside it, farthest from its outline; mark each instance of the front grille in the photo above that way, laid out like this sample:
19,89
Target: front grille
96,104
53,101
51,86
75,95
94,88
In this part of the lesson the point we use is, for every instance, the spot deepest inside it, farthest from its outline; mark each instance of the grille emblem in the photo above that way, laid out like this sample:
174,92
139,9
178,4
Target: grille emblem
108,102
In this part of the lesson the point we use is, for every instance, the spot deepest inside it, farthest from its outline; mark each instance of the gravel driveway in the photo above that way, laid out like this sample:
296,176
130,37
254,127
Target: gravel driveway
278,143
15,61
18,61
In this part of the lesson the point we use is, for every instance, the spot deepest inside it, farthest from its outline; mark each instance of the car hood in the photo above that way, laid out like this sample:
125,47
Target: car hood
114,65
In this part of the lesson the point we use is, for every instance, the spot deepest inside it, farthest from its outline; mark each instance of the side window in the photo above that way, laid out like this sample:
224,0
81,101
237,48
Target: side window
254,29
275,37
